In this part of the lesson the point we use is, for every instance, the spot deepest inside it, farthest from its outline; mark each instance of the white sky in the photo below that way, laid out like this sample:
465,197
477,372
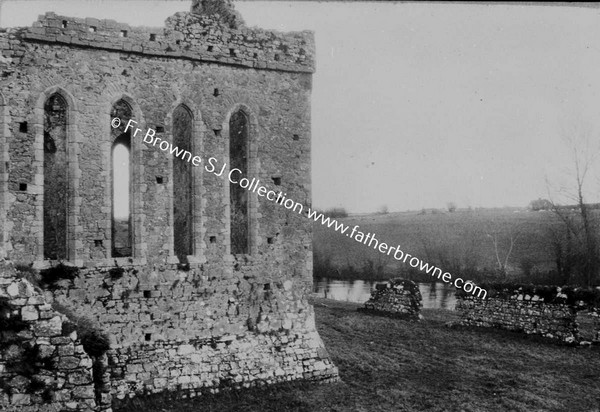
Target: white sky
417,105
120,161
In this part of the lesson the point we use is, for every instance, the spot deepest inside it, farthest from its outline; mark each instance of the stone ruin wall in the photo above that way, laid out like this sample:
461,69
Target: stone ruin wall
397,298
218,319
41,361
524,313
92,71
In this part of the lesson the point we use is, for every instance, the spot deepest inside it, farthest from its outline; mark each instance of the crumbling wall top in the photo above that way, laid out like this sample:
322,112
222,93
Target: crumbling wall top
223,9
212,32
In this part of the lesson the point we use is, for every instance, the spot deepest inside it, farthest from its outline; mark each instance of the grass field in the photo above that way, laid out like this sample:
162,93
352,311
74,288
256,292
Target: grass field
461,237
395,365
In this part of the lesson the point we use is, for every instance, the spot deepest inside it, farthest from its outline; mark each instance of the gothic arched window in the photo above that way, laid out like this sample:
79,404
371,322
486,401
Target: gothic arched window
238,159
182,184
122,233
56,193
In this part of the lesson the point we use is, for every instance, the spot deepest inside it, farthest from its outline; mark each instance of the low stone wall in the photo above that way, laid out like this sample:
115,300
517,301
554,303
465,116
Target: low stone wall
43,365
397,298
556,321
550,312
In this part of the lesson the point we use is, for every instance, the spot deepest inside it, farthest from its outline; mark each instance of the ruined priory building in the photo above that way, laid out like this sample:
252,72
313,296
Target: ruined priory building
127,270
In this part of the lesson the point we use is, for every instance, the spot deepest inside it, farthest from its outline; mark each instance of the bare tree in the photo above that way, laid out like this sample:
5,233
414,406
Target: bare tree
579,221
502,259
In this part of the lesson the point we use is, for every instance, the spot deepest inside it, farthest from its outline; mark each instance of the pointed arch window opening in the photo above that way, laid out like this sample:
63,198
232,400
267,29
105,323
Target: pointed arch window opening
121,178
238,196
56,183
183,218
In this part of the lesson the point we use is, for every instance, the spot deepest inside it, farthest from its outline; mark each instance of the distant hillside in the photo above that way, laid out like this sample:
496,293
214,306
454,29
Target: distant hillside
461,236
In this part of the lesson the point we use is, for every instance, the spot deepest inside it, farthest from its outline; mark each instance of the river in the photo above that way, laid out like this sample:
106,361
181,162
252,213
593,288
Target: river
436,295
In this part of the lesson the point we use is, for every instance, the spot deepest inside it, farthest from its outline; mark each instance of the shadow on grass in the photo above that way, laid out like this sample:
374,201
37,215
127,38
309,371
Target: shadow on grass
283,397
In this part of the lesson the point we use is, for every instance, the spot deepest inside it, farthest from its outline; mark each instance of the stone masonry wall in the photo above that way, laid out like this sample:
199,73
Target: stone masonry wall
91,80
523,314
186,35
183,329
214,319
42,364
396,298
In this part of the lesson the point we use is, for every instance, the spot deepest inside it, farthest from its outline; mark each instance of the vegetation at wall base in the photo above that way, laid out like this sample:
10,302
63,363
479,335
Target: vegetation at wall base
50,278
116,273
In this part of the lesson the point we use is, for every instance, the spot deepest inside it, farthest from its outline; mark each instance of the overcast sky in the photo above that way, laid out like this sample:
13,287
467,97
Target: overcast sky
417,105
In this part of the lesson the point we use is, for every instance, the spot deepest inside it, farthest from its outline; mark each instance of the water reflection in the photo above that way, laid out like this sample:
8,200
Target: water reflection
436,295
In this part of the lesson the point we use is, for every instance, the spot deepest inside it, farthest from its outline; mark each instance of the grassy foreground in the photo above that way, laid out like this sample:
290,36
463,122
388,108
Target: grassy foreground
396,365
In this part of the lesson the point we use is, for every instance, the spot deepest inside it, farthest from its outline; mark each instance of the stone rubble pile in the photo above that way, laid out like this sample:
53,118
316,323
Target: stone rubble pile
42,363
397,298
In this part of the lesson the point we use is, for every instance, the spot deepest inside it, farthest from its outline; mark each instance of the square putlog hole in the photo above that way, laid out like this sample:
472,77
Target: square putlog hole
148,337
147,294
23,127
23,187
213,239
277,181
270,240
159,180
98,242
